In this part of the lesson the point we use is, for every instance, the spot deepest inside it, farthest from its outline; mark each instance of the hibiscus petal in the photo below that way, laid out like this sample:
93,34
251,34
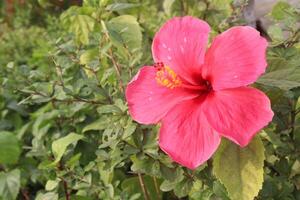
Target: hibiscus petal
148,101
236,58
238,113
186,136
181,44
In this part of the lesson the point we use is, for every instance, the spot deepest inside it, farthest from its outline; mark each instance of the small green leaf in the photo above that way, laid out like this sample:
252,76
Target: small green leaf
51,184
10,184
129,130
167,186
59,146
108,109
240,169
9,148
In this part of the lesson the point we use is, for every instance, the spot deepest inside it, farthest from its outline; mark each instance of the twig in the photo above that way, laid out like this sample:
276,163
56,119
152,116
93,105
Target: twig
25,194
61,167
66,189
156,186
142,184
116,65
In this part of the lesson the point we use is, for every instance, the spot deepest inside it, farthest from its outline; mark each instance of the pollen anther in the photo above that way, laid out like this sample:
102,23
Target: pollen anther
165,76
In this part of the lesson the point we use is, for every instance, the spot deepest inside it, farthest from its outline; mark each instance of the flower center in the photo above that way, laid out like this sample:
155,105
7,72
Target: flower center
165,76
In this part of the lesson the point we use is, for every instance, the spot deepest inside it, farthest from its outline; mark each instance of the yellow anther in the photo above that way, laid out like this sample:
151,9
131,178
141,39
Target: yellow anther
165,76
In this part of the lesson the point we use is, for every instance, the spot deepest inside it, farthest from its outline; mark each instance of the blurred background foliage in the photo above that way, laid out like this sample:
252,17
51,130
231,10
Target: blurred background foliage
65,132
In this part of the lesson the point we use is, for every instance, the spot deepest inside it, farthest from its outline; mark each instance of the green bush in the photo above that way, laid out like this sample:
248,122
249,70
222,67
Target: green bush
65,131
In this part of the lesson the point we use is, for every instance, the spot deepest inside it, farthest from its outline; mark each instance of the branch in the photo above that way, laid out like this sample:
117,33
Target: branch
116,65
66,189
142,184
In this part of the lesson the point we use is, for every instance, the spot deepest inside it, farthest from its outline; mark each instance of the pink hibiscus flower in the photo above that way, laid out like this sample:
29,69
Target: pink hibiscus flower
200,96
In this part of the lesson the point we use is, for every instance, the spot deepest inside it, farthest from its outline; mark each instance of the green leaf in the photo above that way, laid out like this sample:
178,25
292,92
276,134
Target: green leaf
99,124
276,33
10,184
47,196
120,6
240,169
285,79
125,30
88,56
51,184
279,11
59,146
108,109
82,25
129,130
9,148
183,188
79,22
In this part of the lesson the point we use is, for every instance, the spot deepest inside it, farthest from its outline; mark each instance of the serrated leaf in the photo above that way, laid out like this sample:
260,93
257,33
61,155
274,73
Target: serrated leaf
10,184
59,146
9,148
240,169
125,30
285,79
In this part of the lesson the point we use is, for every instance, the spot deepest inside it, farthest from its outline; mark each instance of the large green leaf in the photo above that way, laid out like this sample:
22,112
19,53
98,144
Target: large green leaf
125,31
285,79
10,184
240,169
9,148
59,146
